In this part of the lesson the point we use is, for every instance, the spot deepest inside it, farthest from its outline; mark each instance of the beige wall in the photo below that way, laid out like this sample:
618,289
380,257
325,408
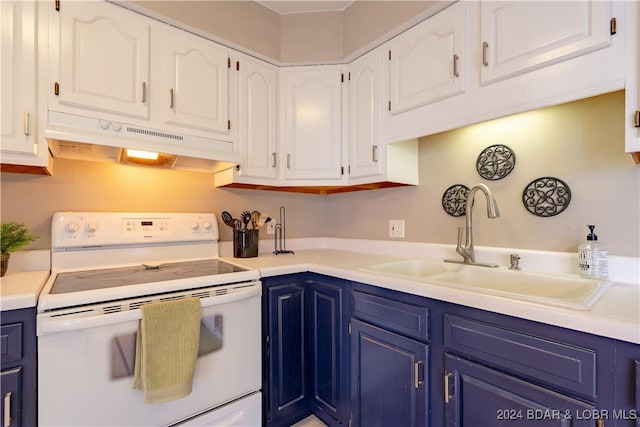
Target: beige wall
581,143
94,186
295,38
243,23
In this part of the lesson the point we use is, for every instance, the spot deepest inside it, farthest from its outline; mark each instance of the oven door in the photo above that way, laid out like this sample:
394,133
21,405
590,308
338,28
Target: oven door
85,363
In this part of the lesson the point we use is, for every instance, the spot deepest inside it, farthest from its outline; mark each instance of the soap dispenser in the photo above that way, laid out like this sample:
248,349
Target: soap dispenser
593,259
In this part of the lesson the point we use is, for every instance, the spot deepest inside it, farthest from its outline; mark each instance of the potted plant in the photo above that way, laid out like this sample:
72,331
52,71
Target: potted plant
13,236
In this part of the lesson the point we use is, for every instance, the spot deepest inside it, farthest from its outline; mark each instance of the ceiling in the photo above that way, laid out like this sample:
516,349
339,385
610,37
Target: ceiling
285,7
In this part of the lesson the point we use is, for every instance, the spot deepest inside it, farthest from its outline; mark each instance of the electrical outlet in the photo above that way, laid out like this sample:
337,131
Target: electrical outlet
271,227
396,228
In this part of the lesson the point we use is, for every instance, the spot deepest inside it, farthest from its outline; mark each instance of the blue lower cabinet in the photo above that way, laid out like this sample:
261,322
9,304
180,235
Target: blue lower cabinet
328,339
477,396
305,369
18,368
389,378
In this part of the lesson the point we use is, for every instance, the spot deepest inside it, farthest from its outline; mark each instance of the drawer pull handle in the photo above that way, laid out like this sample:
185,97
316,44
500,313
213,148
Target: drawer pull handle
171,99
416,374
485,46
273,163
447,396
144,92
288,161
7,410
374,153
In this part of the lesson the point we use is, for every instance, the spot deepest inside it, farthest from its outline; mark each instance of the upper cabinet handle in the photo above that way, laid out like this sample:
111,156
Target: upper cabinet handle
288,161
374,153
171,98
144,92
455,65
485,46
26,123
273,163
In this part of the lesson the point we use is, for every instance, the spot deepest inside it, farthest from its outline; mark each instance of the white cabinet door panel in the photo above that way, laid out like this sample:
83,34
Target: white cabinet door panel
520,36
313,123
258,121
104,59
196,84
426,62
365,115
18,78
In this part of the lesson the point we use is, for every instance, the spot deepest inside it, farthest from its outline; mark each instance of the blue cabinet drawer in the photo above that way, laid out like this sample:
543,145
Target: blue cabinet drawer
11,343
406,319
541,360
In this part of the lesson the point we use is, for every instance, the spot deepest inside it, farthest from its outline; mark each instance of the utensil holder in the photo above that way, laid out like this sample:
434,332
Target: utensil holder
245,243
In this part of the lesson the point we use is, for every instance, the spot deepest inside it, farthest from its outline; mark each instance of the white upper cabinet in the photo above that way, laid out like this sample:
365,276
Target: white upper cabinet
520,36
312,123
365,116
427,63
104,60
19,132
194,89
257,120
632,94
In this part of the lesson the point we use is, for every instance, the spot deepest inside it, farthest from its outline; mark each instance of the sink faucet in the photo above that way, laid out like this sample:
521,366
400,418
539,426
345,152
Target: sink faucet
467,250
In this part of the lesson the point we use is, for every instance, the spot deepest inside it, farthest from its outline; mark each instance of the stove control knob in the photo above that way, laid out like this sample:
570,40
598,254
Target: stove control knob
206,225
72,227
194,225
92,227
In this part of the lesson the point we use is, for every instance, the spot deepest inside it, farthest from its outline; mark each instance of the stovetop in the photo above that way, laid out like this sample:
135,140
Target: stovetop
87,280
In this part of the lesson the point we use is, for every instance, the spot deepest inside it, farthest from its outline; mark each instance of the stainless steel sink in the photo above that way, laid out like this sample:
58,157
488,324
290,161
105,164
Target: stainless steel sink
563,290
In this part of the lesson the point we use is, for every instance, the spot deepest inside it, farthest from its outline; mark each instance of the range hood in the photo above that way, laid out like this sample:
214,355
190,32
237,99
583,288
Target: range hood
77,137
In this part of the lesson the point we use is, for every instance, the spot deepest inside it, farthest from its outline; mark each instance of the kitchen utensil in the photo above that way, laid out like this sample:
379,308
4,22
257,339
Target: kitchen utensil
237,224
227,219
262,221
246,218
255,217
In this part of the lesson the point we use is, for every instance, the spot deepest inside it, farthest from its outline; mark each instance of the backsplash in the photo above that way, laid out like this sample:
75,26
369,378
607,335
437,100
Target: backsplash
581,143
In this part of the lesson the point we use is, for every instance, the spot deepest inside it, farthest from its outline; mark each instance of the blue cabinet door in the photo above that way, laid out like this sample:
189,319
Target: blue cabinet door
478,396
389,378
11,386
286,387
328,351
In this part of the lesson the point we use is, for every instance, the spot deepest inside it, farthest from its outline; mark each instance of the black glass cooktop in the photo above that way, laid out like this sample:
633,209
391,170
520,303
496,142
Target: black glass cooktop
87,280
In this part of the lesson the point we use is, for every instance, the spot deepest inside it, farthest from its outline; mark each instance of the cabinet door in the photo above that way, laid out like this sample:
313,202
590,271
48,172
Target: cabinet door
389,378
365,115
426,64
517,37
287,385
257,119
18,79
632,92
478,396
328,367
104,59
312,115
196,83
11,390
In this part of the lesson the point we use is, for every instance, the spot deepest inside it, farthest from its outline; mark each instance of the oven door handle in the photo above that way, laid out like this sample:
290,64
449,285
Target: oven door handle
77,321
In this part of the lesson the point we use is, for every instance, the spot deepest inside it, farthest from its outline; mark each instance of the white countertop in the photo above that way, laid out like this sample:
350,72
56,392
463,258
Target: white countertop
615,315
27,273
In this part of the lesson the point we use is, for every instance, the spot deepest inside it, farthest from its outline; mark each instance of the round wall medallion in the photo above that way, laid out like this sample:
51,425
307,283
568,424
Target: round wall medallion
546,196
454,200
495,162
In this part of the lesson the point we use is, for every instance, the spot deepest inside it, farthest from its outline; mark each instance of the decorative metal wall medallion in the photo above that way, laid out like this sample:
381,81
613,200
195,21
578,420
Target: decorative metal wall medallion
495,162
546,196
454,200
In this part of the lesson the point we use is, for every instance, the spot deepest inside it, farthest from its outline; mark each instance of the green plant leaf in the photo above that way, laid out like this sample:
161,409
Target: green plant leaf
13,236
